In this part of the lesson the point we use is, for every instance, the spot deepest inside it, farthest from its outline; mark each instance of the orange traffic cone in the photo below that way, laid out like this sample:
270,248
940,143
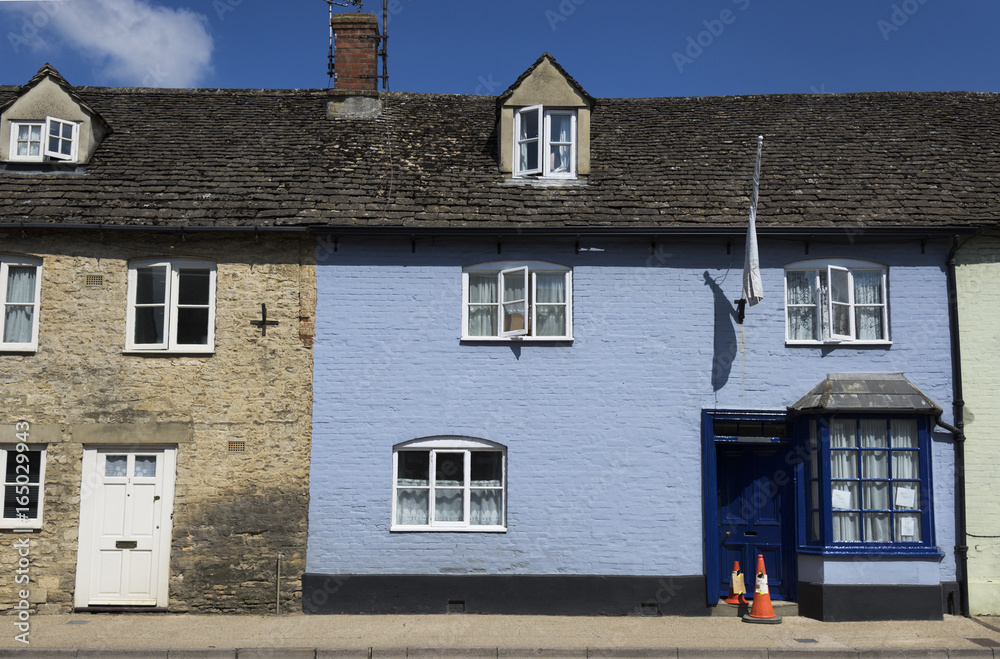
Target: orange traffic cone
736,587
761,610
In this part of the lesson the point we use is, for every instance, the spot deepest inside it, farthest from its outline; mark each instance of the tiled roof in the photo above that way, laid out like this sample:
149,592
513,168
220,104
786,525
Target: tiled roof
865,392
272,157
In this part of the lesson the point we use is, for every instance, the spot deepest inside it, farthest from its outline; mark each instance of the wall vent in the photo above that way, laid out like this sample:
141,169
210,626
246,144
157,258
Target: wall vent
236,446
94,281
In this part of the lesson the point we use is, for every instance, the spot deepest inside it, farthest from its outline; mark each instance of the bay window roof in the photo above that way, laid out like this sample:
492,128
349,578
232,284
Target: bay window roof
880,393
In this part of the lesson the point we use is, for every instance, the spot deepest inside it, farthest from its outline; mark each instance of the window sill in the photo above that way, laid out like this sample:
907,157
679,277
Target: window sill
19,350
516,339
838,344
446,529
875,549
535,182
169,353
6,527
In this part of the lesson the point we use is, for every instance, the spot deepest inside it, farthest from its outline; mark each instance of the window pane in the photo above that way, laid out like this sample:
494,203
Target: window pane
846,527
449,505
550,287
840,286
20,497
873,433
487,468
193,286
560,128
151,285
21,284
802,323
449,469
413,467
867,287
485,507
877,495
816,526
145,466
877,527
874,464
18,321
482,288
116,466
841,319
551,321
843,434
192,326
904,433
26,464
844,496
482,321
529,156
529,125
905,464
513,286
412,506
868,322
149,325
559,159
800,287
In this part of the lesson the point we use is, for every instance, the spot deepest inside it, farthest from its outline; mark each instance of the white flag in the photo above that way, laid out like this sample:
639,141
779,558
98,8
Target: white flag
752,291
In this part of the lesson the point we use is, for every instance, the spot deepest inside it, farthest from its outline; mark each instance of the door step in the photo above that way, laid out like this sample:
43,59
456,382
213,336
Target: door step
781,608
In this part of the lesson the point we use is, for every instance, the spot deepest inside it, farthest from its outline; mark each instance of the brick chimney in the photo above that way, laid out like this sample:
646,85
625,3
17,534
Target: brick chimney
355,51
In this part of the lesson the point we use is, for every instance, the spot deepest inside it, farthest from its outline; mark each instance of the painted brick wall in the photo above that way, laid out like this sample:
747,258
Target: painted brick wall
233,512
603,435
979,322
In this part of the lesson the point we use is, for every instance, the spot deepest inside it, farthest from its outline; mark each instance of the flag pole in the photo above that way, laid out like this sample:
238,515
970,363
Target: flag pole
752,290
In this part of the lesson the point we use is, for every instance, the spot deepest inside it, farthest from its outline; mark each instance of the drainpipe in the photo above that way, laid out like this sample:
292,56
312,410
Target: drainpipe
958,432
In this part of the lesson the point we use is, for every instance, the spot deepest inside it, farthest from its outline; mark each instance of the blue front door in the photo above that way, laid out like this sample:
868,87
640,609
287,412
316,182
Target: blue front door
755,515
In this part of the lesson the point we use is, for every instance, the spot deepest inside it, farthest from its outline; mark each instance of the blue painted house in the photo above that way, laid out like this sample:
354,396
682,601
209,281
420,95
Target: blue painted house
534,393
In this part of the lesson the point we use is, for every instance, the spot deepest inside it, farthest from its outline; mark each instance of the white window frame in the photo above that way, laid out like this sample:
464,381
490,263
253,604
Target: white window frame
530,306
6,262
45,152
171,306
824,304
463,445
10,452
545,143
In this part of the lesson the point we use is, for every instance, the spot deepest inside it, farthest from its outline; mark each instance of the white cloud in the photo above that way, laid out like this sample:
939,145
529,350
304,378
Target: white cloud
137,42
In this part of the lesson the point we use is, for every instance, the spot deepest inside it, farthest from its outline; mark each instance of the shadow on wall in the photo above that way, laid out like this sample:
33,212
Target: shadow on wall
724,343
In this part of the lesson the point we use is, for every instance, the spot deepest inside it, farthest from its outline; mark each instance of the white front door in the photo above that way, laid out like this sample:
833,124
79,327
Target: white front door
126,506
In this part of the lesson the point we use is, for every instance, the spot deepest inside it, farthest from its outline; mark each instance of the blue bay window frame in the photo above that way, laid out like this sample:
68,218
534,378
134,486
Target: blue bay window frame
872,507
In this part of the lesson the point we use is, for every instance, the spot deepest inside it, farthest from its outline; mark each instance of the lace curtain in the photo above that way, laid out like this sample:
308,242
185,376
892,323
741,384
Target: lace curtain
868,304
20,308
482,304
550,304
560,131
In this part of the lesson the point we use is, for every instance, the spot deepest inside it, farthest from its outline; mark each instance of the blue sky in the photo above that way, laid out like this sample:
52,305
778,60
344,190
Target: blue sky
625,48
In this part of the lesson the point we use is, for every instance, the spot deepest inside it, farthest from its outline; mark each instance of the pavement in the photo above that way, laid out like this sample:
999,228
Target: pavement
296,635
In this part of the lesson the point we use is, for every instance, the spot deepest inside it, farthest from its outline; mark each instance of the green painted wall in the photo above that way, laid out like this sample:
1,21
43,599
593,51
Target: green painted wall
979,320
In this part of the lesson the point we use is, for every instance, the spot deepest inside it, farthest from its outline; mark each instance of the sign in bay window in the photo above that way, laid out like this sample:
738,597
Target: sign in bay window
506,300
449,484
844,301
171,306
21,284
545,142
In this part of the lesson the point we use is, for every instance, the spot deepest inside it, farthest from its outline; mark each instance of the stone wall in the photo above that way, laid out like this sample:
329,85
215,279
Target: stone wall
979,328
235,512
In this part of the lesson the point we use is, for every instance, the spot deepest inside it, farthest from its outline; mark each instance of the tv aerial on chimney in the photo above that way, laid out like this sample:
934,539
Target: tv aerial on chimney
383,51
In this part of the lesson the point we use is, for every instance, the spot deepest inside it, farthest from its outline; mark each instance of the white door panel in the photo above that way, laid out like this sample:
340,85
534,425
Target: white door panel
125,518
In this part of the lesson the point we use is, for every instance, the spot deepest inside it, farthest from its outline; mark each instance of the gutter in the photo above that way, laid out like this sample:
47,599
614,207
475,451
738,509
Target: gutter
958,433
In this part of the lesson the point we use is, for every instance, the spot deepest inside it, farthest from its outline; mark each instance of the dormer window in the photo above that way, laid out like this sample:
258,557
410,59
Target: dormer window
545,142
37,141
